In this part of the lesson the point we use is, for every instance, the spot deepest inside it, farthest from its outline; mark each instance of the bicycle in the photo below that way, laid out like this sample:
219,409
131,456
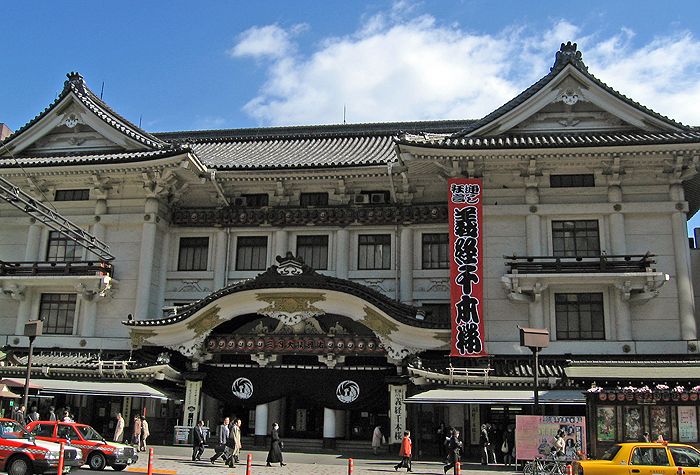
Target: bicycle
551,465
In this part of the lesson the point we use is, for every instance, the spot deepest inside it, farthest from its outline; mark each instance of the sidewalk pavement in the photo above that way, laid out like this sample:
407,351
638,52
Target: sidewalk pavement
177,460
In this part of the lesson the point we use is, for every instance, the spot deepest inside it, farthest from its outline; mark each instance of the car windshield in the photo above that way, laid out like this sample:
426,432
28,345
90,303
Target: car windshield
611,452
89,433
685,456
12,430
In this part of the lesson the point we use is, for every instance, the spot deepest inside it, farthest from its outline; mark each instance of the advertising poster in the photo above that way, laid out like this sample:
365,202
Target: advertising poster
632,419
660,422
466,267
687,424
606,424
534,435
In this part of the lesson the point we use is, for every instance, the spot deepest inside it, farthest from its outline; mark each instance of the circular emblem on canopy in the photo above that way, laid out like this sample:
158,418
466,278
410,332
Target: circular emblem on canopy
347,391
242,388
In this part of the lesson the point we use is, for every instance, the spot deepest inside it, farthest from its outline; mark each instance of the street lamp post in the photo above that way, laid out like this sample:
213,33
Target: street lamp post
535,339
32,329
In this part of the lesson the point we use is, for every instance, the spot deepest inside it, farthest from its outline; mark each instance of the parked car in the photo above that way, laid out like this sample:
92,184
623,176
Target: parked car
97,452
22,454
658,458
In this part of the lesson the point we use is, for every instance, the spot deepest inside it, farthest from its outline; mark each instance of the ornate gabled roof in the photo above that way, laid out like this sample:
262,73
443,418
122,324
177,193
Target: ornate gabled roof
568,55
293,273
90,158
76,86
304,146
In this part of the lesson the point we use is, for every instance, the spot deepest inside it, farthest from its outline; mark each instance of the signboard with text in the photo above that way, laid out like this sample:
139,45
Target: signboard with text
534,435
397,413
466,267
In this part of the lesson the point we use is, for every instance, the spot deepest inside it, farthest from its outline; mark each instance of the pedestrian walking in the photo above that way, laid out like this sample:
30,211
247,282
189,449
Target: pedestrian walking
66,416
485,443
33,415
276,446
405,452
376,439
454,450
508,446
198,441
145,432
19,415
52,414
221,450
119,430
136,433
235,435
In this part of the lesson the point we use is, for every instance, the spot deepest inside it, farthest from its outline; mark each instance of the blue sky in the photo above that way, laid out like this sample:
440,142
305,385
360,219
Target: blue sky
182,65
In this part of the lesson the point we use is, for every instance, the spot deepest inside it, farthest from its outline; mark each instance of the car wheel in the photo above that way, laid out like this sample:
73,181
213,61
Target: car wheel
96,461
119,467
19,466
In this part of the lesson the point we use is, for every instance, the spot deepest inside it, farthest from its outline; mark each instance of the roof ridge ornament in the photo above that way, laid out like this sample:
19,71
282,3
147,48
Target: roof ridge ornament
75,79
568,53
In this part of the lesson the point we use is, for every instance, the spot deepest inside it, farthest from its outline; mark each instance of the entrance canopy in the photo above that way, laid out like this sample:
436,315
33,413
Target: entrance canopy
60,386
486,396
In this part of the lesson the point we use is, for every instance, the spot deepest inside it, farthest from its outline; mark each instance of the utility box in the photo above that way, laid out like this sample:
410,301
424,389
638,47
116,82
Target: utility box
534,337
33,328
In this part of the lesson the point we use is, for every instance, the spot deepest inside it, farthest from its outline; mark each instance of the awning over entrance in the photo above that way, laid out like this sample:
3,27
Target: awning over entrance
59,386
680,372
486,396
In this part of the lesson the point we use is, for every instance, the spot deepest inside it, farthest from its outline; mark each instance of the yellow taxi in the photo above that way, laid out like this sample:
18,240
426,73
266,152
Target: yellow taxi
643,458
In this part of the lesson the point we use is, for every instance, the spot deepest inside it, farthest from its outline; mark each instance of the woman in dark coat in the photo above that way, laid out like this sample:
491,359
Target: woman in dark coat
275,453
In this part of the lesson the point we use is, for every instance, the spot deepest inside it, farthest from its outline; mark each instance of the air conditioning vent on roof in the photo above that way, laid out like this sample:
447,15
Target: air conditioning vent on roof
361,199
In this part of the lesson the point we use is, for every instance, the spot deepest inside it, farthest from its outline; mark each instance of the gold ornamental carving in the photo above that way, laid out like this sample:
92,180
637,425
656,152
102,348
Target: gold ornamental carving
139,337
378,322
205,321
291,309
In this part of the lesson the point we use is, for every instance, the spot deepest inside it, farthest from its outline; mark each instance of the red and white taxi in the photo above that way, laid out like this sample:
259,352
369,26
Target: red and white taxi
97,452
22,454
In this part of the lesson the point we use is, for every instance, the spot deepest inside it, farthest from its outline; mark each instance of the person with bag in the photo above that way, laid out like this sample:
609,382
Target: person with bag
222,449
454,451
276,446
405,452
235,442
198,441
508,446
485,443
377,439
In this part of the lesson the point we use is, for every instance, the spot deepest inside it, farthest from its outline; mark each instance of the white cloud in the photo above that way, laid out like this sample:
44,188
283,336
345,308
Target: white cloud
395,68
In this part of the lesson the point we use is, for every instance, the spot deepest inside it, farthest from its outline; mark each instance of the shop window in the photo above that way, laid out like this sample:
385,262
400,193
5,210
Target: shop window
72,195
572,181
435,254
576,238
579,316
251,253
313,199
313,250
194,252
62,249
57,311
374,252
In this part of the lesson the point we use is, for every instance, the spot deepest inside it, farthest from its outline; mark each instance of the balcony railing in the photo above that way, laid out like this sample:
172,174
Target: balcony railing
574,265
47,269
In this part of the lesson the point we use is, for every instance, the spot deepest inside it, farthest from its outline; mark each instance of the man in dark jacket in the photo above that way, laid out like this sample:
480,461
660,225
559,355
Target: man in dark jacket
454,450
198,441
222,449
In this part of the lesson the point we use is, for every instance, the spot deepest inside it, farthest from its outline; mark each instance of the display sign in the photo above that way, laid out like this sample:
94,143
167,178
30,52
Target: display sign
534,435
687,424
466,267
193,391
397,413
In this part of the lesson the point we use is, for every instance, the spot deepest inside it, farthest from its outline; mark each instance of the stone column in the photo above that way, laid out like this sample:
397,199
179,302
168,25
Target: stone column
686,304
99,229
164,263
618,247
342,253
32,251
533,227
406,265
89,314
623,322
25,308
281,243
328,428
148,245
220,259
261,423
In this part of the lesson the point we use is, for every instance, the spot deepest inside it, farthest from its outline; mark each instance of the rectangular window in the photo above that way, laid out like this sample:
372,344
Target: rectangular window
435,254
194,252
251,253
576,238
72,195
313,199
437,312
58,313
62,249
256,200
314,251
579,316
572,181
374,251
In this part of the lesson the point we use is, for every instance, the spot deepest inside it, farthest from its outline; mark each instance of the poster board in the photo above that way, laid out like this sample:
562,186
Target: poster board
687,424
534,435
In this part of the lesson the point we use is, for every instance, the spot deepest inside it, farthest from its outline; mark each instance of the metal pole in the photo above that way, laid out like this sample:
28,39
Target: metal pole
536,371
25,400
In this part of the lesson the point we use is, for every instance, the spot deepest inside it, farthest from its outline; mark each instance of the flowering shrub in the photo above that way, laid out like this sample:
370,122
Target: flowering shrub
696,389
679,389
644,390
596,389
629,389
662,387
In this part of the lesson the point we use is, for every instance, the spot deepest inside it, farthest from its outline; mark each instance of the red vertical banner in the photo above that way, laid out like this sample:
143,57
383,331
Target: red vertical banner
465,198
